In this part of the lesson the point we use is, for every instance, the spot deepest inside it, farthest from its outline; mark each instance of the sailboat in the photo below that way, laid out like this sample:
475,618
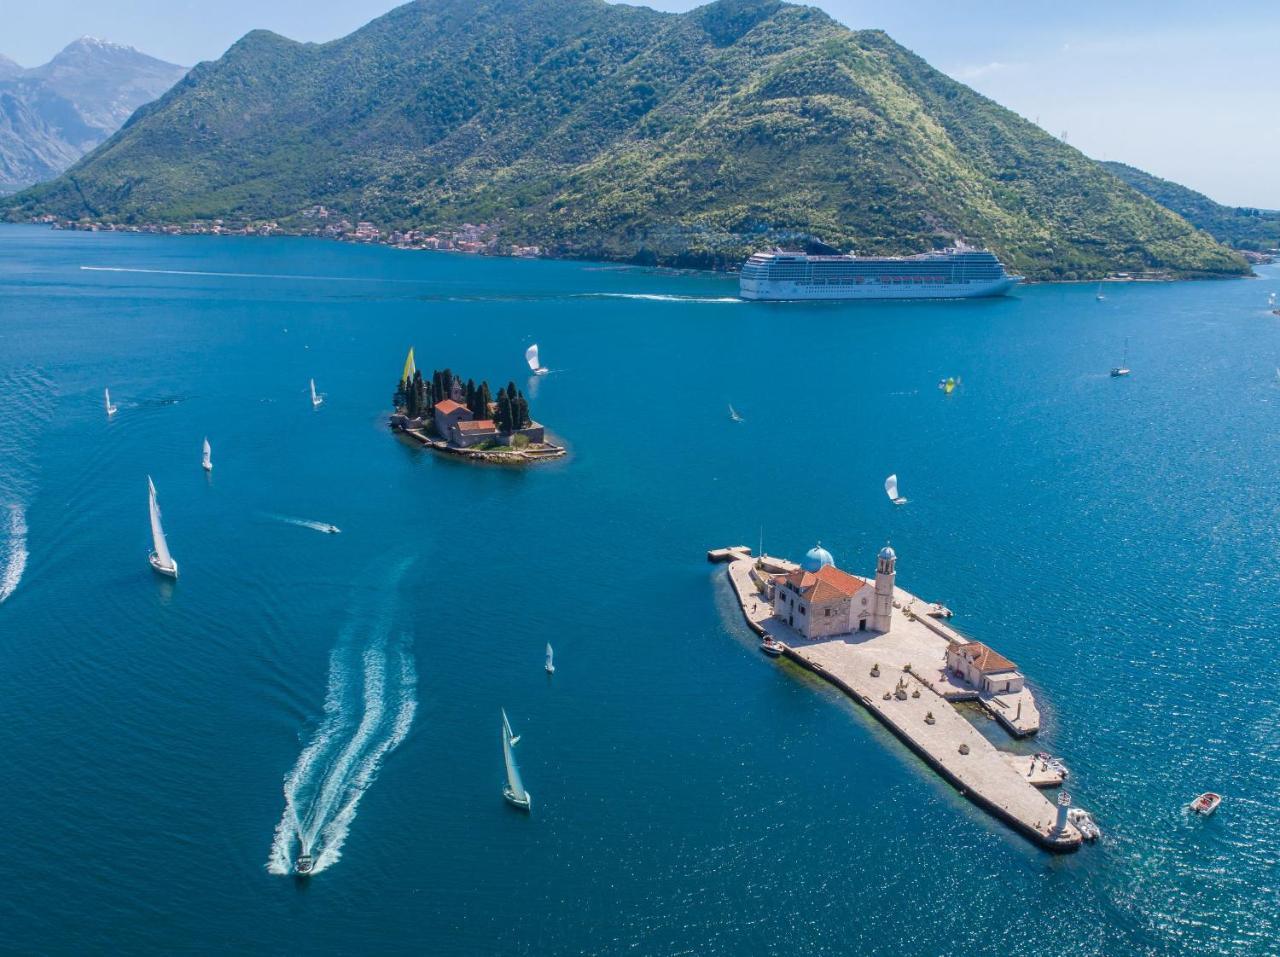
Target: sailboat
160,559
531,357
1123,367
206,460
514,790
316,399
1099,296
551,663
410,367
733,413
891,489
948,385
106,395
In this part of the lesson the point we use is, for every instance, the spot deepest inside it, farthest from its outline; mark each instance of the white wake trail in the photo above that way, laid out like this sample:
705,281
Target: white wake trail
306,523
659,297
16,557
335,833
335,719
239,275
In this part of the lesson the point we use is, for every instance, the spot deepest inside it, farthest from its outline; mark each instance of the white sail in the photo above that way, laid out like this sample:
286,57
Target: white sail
531,357
514,785
207,459
161,547
891,486
551,662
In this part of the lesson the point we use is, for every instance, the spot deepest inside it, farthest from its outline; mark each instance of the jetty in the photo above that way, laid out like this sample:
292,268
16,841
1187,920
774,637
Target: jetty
900,672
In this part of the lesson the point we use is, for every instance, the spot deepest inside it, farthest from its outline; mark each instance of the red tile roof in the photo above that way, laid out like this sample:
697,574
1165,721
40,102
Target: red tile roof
448,405
480,425
987,660
828,583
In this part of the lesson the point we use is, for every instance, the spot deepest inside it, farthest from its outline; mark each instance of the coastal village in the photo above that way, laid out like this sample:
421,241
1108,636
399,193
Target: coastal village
444,414
900,658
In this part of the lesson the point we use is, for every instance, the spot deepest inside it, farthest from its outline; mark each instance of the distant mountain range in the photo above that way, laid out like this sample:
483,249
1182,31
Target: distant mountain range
52,115
619,132
1240,227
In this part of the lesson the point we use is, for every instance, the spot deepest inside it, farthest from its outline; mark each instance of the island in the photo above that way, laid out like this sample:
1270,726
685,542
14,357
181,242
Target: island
900,658
468,420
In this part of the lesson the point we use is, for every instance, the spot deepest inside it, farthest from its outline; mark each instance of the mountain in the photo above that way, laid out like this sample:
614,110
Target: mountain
614,131
52,115
1240,227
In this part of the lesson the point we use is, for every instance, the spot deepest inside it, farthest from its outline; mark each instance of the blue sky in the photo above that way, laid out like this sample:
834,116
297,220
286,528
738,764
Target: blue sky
1189,91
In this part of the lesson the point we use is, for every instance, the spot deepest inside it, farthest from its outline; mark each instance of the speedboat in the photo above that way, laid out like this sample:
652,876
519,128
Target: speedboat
772,647
1084,823
1206,803
332,529
303,865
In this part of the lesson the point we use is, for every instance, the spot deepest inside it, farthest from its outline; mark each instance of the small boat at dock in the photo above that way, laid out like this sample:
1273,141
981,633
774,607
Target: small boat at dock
163,562
206,460
514,790
772,647
551,661
1084,823
1206,803
111,409
535,365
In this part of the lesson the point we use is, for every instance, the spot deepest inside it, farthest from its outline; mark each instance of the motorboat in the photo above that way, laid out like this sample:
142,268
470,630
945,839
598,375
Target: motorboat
733,414
551,660
206,460
1206,803
1084,823
111,409
772,646
304,864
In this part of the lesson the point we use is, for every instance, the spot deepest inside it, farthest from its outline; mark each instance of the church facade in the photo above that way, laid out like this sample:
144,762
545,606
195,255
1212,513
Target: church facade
819,600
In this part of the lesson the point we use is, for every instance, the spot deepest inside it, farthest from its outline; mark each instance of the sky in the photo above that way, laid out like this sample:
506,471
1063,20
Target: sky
1188,91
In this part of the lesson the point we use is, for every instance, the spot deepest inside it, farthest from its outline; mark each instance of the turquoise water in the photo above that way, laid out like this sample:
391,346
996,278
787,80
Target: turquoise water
1119,539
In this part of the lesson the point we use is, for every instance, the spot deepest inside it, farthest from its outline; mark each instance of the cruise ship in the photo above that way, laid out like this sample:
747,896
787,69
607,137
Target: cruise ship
960,272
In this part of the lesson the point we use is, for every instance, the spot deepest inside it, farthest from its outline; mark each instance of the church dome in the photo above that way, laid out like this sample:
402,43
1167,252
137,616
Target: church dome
887,554
815,558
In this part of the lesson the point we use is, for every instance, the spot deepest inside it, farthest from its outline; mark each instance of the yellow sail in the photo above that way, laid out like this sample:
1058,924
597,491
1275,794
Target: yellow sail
409,367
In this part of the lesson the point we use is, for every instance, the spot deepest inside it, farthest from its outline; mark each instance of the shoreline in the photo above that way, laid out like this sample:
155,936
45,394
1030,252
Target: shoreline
271,230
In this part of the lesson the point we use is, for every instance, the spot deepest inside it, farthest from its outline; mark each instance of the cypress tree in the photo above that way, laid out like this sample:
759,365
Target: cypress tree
485,399
504,413
511,391
437,391
399,400
522,412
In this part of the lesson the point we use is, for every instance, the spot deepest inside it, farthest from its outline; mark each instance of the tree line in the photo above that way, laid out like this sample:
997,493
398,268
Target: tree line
418,396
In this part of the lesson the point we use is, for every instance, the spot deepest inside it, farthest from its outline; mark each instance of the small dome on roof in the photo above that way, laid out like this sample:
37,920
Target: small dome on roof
887,554
816,557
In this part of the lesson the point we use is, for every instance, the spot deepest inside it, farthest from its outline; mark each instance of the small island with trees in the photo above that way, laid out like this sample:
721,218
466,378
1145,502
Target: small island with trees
445,414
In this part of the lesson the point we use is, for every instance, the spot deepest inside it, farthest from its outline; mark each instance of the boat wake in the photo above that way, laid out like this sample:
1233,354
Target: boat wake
241,275
658,297
15,561
307,523
369,707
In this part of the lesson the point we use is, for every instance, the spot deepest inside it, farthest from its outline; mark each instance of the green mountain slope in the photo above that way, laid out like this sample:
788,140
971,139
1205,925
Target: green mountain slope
1237,226
619,132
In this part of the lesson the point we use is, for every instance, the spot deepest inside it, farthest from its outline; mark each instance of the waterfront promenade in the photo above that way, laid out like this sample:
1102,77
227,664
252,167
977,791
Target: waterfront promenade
872,668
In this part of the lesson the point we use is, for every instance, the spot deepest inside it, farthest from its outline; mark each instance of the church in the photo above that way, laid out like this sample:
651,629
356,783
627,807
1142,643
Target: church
819,600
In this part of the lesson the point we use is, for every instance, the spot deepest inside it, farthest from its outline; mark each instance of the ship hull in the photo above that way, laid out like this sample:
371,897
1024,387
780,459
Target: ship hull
775,290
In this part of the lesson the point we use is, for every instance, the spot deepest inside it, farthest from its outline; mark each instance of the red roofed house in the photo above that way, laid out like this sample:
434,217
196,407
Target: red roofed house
448,414
984,668
819,599
467,434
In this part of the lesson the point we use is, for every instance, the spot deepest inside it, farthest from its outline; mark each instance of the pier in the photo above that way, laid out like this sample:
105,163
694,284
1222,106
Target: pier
900,676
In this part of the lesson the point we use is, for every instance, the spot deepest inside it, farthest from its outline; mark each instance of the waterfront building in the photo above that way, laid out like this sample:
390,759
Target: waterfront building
984,668
819,600
448,414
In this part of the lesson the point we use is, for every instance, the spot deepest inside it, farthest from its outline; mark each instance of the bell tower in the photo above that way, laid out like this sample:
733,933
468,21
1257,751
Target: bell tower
886,572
